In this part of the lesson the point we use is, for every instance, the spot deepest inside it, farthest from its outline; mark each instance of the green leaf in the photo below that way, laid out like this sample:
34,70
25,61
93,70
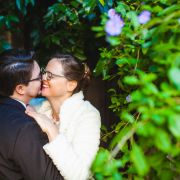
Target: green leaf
119,136
163,1
139,160
132,80
119,126
147,34
121,8
13,18
121,61
166,174
147,44
137,96
150,88
127,117
129,61
169,9
1,18
153,68
113,40
102,2
97,28
156,160
55,40
174,125
32,2
89,5
99,67
158,118
19,4
147,77
174,75
101,157
112,166
133,17
115,100
162,140
2,21
146,129
116,176
157,9
99,176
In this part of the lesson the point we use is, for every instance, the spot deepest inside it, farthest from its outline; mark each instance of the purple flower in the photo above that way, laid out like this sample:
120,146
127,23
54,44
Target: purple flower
128,98
144,17
114,25
111,13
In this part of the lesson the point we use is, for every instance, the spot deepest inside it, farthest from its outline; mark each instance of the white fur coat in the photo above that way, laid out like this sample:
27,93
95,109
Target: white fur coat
75,148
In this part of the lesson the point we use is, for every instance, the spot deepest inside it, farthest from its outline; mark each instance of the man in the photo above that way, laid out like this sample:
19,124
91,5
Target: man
21,139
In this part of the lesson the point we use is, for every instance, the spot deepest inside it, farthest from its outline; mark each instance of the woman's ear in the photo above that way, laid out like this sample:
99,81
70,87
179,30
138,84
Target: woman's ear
20,89
71,85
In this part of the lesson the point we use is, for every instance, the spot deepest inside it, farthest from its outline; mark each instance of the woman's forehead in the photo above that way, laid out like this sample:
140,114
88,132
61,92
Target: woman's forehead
54,61
55,65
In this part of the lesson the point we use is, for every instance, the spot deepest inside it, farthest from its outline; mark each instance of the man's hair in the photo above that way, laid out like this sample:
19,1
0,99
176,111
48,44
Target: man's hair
15,68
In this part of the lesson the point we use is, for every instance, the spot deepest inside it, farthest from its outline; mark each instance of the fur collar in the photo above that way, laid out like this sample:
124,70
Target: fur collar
68,109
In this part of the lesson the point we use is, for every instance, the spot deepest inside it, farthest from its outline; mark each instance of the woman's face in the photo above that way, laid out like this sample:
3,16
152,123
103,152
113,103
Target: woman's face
57,85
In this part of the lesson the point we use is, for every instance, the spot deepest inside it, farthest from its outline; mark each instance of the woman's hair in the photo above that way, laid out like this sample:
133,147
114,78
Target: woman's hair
15,68
74,70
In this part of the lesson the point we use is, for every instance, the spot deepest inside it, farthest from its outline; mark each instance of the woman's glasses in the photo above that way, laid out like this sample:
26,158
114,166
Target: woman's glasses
49,75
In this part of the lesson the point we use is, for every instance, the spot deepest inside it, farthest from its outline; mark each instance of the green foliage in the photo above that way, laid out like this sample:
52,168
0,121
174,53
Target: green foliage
23,4
144,62
139,160
106,167
53,26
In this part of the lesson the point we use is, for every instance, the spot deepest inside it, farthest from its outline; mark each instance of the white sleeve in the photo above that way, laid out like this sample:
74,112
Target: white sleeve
73,160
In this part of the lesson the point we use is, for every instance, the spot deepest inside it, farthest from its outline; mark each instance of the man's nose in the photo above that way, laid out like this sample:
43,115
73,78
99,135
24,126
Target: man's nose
44,76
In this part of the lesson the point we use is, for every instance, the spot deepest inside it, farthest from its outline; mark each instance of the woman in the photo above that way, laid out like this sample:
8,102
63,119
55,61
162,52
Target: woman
72,124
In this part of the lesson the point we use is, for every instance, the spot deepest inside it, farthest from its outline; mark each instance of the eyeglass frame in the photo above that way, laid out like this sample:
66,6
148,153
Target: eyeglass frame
49,75
37,79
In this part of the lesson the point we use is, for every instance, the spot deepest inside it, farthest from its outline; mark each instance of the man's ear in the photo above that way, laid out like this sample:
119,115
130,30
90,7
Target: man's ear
71,85
20,89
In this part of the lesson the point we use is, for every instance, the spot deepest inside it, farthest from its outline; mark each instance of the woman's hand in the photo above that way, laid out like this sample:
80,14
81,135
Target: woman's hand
44,122
41,119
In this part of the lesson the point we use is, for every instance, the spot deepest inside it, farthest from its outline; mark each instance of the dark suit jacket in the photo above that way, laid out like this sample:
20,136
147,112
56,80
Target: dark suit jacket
21,146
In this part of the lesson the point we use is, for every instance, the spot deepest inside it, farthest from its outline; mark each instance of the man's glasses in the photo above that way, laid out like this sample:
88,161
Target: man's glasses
49,75
39,78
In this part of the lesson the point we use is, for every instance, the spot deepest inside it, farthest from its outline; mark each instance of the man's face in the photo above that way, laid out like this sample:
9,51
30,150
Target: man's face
34,87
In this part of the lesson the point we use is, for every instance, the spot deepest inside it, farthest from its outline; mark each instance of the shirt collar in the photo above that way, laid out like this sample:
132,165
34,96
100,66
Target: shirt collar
20,102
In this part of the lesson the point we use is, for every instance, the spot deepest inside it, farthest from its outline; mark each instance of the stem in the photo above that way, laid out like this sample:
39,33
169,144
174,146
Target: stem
124,139
108,134
122,142
137,60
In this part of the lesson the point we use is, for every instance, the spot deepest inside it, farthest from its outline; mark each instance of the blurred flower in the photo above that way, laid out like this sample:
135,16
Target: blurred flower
144,17
128,98
111,13
114,25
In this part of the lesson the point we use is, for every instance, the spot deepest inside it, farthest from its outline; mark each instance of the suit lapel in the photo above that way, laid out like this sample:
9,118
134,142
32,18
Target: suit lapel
11,102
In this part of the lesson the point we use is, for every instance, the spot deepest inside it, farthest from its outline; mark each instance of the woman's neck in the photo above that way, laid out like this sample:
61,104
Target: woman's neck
56,103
